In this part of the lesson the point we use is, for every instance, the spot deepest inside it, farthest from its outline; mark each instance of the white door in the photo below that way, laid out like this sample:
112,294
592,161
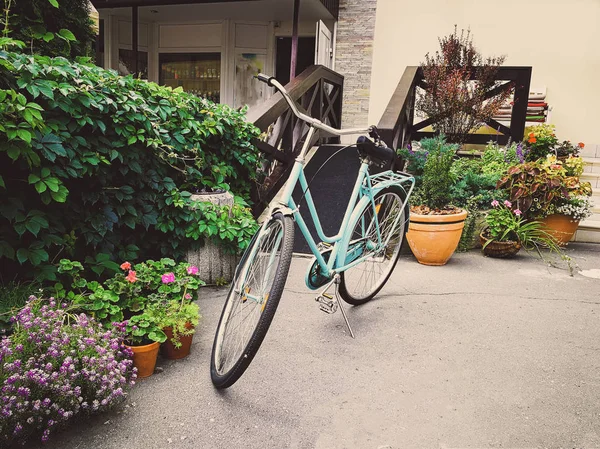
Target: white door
323,46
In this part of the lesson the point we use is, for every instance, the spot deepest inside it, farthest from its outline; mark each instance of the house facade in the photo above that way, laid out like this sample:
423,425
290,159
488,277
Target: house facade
212,47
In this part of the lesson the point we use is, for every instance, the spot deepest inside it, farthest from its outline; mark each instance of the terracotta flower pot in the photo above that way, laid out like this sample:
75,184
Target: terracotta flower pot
499,249
170,351
434,238
560,227
144,358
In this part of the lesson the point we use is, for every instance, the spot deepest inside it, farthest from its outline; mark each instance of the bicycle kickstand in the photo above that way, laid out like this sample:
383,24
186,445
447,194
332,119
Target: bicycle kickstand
328,305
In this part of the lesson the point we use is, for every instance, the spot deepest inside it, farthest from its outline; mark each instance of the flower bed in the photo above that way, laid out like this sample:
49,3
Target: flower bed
57,365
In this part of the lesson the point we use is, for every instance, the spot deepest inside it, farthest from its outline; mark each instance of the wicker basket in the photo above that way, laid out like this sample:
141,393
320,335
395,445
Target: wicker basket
499,249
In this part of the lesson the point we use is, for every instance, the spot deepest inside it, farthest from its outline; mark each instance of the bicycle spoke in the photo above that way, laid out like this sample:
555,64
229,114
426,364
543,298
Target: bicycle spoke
385,234
248,297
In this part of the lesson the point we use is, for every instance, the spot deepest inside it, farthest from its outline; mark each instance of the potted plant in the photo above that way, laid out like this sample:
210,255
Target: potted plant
507,231
458,80
179,322
435,226
173,309
144,335
545,189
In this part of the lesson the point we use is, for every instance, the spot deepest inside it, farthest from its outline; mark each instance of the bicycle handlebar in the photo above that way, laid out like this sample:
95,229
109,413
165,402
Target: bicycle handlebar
272,82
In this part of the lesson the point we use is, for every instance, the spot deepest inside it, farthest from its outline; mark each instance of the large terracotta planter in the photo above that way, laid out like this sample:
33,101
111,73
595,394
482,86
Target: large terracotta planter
560,227
170,351
434,238
144,358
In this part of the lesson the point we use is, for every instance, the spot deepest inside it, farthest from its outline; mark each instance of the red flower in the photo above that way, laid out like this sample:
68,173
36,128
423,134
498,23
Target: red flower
581,144
131,276
125,266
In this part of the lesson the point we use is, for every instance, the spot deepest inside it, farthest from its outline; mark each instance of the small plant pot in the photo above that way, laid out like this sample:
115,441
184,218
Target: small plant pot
560,227
434,238
144,358
499,249
169,350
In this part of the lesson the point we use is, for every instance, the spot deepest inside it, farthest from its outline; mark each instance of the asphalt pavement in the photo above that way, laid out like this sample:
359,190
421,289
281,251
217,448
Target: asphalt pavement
480,353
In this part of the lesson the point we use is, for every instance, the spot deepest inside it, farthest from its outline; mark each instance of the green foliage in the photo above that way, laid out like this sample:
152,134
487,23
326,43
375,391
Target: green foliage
50,29
91,162
181,316
505,223
497,159
129,292
537,188
13,296
437,177
540,140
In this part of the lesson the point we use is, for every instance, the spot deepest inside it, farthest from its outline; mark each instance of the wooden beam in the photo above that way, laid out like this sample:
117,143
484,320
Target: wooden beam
99,4
294,58
134,39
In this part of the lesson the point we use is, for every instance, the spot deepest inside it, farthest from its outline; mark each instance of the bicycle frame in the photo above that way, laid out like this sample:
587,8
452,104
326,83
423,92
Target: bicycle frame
364,191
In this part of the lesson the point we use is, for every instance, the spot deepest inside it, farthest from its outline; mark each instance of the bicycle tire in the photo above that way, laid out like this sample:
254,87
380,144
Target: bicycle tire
349,293
225,378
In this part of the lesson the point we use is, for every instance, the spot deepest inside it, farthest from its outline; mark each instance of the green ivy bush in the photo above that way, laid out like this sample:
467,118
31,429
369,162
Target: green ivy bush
91,162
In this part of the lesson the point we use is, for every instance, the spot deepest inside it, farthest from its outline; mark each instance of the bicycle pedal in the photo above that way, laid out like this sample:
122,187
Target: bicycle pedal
327,304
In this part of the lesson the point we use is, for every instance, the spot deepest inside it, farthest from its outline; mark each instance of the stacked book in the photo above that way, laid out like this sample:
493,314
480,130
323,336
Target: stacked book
537,108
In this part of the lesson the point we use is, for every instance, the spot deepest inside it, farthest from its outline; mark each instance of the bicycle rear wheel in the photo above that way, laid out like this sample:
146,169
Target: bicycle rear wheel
362,282
252,301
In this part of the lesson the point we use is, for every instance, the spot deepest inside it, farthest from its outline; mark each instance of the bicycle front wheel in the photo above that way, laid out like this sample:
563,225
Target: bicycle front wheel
362,282
252,301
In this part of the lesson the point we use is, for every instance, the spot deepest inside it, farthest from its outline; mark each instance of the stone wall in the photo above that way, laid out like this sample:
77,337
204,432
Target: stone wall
354,58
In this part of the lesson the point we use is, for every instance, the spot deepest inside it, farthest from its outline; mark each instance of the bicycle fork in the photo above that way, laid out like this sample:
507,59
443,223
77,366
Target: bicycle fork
327,303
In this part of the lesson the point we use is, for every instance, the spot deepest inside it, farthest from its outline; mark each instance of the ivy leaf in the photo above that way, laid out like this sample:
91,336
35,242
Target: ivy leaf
24,135
67,35
6,250
53,3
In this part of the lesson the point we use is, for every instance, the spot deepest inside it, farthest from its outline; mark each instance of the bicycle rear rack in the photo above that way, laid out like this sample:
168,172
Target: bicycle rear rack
388,178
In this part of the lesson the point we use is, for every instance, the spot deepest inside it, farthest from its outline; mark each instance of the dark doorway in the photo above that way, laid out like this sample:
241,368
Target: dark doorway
306,57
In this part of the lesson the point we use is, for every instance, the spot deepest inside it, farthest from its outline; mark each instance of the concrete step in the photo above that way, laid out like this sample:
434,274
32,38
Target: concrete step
591,165
588,230
592,178
590,151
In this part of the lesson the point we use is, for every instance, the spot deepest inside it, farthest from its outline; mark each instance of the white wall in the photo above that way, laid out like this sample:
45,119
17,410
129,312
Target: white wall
559,39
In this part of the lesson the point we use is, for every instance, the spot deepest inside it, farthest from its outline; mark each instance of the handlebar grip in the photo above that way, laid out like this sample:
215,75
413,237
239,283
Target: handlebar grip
265,79
380,153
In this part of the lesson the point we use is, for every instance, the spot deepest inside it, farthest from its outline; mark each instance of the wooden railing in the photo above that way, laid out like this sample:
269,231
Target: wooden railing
318,93
397,126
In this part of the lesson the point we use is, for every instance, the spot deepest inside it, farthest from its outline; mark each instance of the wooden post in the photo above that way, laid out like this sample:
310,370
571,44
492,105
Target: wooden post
294,57
134,39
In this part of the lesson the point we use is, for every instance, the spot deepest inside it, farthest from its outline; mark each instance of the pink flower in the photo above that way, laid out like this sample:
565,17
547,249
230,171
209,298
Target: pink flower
495,203
125,266
131,277
192,269
188,296
167,278
518,212
507,203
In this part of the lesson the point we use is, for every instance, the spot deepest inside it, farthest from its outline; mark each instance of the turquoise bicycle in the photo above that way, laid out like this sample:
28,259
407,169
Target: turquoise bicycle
357,261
